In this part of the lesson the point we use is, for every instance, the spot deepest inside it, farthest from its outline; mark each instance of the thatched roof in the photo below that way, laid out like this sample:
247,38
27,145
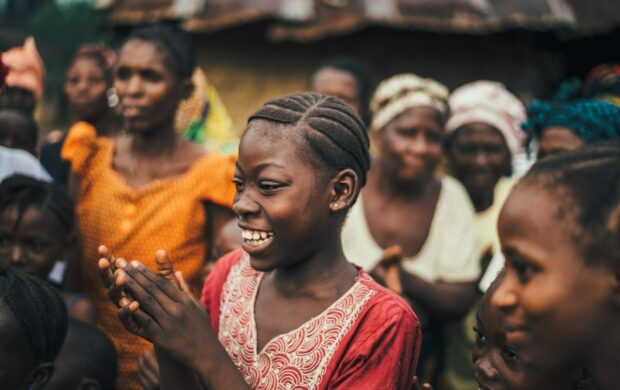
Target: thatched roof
306,20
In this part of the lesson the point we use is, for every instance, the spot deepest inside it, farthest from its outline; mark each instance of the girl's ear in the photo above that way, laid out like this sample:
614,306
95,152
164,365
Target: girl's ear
344,189
41,375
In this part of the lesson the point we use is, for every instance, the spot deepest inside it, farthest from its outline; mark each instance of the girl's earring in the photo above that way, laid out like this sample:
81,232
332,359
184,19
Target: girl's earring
112,97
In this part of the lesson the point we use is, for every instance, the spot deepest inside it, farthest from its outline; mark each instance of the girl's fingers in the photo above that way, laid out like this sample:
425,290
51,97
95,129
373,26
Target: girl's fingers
163,285
138,322
105,253
164,267
144,292
149,371
391,255
105,272
185,287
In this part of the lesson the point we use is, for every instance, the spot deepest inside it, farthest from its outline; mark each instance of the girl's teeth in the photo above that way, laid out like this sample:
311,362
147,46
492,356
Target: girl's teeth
263,235
256,236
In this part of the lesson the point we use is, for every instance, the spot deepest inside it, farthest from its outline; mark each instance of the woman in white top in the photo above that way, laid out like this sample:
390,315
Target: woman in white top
405,203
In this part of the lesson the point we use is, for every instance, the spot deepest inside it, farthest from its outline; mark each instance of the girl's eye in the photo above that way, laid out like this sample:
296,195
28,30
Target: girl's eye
269,186
239,185
510,356
123,73
151,75
524,271
38,245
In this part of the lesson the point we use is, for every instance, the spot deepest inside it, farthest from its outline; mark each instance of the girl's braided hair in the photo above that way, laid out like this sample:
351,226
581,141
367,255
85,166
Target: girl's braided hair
589,178
40,311
335,134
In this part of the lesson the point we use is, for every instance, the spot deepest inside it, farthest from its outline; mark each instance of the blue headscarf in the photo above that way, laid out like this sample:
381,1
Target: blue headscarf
592,120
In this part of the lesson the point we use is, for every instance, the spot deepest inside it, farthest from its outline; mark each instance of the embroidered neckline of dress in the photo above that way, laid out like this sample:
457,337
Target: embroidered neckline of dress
297,358
254,341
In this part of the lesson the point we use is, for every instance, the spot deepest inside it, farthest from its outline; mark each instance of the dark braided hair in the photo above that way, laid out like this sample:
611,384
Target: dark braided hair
174,41
589,178
333,131
24,192
40,311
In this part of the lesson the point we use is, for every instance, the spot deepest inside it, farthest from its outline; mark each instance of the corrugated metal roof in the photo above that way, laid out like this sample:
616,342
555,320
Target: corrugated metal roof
304,20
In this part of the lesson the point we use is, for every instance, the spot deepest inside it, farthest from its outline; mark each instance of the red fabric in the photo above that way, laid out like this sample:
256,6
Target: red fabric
380,351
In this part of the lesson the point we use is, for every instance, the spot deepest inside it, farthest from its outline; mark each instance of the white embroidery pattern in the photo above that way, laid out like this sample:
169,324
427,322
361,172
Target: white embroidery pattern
295,360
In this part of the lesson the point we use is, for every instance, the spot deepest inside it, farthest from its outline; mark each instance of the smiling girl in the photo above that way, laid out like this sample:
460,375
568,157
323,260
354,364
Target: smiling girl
288,310
560,297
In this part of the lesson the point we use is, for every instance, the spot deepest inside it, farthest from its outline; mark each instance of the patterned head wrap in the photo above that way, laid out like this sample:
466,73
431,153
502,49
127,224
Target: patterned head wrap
26,69
490,103
402,92
592,120
603,82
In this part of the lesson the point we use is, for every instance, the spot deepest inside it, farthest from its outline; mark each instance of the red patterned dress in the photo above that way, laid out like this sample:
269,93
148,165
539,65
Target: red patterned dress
369,338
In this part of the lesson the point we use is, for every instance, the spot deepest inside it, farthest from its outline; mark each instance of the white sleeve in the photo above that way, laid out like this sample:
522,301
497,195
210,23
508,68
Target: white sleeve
14,161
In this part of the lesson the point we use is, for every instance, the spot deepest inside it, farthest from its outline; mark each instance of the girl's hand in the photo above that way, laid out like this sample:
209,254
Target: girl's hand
109,266
148,372
165,315
390,262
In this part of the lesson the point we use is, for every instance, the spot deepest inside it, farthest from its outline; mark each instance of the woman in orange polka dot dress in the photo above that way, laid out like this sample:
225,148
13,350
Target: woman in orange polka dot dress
146,189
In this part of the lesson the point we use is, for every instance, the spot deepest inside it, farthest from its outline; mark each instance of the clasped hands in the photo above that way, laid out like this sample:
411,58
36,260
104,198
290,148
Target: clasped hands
158,307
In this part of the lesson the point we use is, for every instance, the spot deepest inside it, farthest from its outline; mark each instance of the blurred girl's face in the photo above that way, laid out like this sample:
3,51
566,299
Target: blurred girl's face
33,243
498,365
556,139
338,83
411,145
147,86
86,87
479,157
554,306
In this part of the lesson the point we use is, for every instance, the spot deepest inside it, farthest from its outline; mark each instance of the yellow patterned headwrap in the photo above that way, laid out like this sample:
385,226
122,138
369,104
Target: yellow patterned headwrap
402,92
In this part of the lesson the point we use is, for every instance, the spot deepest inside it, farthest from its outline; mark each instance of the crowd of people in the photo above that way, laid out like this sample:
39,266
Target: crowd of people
353,237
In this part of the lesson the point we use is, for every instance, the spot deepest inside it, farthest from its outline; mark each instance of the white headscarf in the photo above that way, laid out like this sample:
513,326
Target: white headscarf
488,102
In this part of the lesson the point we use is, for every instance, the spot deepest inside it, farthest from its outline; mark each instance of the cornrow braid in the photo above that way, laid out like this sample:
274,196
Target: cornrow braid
333,131
24,192
173,40
40,311
590,176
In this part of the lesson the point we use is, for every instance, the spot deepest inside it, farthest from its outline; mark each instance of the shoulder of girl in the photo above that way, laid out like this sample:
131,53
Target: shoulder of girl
226,262
389,306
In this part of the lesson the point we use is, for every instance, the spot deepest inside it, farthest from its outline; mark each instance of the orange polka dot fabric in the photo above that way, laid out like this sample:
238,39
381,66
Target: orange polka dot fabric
166,214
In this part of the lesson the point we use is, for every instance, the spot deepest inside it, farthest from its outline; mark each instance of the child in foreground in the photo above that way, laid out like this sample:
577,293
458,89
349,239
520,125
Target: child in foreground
289,309
498,364
560,234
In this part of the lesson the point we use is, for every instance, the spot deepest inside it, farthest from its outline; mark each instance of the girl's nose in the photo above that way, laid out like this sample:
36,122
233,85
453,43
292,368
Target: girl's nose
485,369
